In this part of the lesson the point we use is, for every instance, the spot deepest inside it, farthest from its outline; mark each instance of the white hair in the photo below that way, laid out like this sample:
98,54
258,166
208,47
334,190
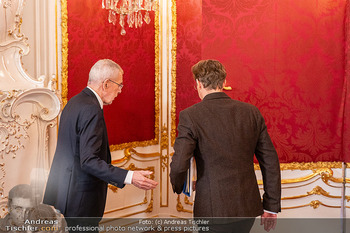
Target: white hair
102,70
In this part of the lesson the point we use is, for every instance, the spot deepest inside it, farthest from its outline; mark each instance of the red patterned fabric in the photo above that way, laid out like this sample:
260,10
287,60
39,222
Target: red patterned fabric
286,58
189,46
346,91
131,116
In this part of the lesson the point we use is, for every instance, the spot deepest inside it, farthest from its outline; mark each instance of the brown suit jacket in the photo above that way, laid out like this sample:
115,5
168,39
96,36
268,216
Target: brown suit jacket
223,135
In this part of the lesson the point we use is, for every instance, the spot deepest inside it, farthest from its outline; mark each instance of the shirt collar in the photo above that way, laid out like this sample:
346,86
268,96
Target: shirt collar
97,96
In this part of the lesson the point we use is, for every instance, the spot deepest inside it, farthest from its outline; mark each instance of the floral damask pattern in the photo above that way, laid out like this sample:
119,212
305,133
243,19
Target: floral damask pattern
131,116
285,57
189,29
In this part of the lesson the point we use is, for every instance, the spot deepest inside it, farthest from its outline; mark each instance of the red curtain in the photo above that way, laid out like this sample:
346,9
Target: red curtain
131,117
285,57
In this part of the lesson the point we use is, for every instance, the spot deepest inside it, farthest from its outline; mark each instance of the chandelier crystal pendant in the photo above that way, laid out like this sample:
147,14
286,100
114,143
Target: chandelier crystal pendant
129,11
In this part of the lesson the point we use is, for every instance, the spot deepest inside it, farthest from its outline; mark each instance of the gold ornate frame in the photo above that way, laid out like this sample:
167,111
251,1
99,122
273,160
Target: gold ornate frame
64,94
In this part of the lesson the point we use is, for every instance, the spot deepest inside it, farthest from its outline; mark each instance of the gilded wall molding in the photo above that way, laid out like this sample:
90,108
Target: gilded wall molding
164,144
149,207
187,201
325,173
164,140
173,70
180,207
64,72
316,191
314,204
130,152
64,24
305,166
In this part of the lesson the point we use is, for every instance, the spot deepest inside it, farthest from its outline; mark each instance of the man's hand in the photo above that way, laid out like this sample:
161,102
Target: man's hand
269,221
140,180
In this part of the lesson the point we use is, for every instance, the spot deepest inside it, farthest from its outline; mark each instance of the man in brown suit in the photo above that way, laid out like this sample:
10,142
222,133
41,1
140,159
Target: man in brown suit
223,135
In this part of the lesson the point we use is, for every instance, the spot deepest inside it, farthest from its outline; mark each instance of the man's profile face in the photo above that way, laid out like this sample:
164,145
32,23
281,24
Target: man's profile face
19,208
112,90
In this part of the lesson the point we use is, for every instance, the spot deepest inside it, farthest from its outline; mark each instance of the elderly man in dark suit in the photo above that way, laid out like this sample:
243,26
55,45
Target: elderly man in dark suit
223,135
81,169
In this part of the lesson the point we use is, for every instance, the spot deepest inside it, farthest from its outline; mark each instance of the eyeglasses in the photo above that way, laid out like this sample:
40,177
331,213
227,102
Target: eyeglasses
120,85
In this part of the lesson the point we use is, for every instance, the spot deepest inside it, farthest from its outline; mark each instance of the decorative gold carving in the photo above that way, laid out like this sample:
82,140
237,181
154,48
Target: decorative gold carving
173,70
133,144
128,152
65,40
325,173
16,31
64,29
11,138
314,204
3,207
12,130
149,208
164,142
305,166
157,76
113,188
315,191
187,201
164,162
320,191
179,206
164,145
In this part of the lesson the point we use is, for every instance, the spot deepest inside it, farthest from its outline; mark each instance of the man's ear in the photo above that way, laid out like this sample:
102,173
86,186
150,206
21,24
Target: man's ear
104,84
199,84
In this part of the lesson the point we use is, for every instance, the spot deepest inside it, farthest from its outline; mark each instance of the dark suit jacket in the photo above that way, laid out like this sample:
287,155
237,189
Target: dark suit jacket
81,169
223,135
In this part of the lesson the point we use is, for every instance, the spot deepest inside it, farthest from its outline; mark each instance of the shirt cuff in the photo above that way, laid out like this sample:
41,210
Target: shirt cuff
128,178
270,212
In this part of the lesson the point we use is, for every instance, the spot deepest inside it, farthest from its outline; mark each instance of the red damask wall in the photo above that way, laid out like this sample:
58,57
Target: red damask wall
286,57
131,117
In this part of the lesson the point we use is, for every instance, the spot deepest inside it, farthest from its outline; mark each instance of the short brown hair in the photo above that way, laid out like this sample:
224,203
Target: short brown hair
211,73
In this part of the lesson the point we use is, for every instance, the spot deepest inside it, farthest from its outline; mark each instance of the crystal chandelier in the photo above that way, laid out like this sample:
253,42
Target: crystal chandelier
129,11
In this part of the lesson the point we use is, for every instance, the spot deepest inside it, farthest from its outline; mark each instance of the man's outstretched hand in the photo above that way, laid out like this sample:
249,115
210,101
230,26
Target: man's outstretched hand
269,221
140,180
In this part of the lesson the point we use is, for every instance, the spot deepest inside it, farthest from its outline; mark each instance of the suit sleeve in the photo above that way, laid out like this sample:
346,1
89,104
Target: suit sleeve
184,147
270,168
93,150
